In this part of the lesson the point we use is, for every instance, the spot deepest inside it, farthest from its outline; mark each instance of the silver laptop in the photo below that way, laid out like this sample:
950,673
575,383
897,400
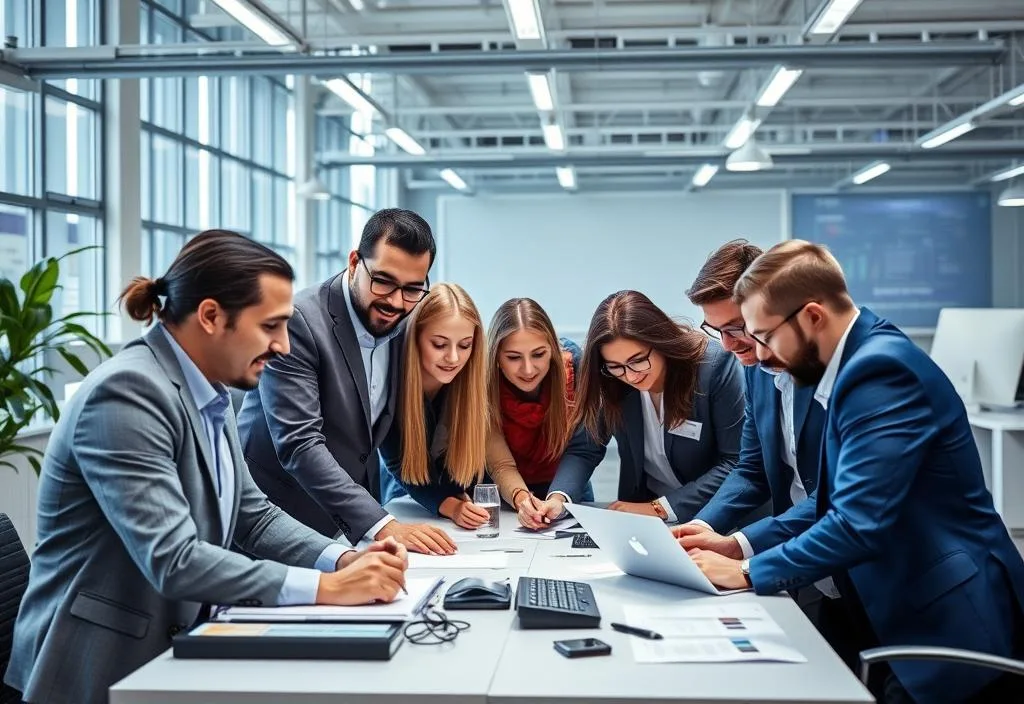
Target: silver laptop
642,546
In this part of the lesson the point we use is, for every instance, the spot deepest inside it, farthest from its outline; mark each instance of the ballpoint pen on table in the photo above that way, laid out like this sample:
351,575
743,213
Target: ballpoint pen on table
501,550
633,630
581,554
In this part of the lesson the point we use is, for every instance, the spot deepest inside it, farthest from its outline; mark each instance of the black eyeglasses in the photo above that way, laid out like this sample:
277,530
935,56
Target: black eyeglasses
379,286
734,331
637,366
765,337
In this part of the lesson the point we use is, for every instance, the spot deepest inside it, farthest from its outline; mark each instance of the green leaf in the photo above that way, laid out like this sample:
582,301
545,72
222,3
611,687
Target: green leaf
76,363
40,281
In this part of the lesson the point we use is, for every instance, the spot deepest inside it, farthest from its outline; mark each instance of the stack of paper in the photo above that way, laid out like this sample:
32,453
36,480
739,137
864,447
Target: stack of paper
710,633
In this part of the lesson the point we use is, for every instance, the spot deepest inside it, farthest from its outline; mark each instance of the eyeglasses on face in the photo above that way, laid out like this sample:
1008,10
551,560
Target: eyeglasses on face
764,339
383,287
637,366
736,332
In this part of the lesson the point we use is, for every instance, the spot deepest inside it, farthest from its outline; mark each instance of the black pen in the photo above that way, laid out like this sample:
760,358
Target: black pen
633,630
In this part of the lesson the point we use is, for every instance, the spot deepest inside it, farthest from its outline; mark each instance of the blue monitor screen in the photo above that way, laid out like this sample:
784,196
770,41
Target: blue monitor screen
906,256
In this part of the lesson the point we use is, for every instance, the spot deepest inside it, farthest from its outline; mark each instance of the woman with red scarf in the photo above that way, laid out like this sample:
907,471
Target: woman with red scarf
531,382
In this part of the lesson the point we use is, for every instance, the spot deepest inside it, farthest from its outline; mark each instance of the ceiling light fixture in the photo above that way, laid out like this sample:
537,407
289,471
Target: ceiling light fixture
781,81
453,179
405,141
871,171
554,138
540,89
526,20
749,157
946,133
1007,174
1012,197
344,89
566,177
704,175
260,25
834,16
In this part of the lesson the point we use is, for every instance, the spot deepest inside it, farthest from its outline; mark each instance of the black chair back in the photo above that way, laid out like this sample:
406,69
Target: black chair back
13,581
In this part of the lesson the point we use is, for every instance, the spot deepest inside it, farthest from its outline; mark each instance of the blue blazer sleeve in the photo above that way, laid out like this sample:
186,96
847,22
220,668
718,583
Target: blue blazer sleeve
746,487
429,496
580,459
726,390
883,427
774,530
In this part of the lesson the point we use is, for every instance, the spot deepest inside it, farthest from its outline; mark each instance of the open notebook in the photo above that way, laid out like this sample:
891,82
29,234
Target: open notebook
404,608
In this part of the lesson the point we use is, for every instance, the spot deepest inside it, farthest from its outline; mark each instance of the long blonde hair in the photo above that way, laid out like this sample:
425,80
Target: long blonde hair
526,314
465,410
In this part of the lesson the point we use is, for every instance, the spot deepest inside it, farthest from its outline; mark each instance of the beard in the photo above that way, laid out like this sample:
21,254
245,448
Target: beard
806,368
379,328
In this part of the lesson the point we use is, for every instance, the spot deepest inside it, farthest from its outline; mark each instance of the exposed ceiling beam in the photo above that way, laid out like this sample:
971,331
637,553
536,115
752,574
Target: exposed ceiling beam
666,157
57,63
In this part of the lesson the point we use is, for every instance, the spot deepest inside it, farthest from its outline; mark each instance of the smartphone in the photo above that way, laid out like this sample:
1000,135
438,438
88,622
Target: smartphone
582,647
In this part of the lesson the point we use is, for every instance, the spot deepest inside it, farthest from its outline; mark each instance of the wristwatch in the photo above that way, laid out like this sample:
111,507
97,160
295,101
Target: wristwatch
659,510
745,571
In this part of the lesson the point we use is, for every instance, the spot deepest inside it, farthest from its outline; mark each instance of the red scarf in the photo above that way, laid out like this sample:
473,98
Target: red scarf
522,424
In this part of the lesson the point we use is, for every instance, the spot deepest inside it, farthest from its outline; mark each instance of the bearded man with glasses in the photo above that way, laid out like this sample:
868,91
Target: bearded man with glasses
311,431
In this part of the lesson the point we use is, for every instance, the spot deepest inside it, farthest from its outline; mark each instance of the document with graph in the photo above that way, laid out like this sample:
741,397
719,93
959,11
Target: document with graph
709,633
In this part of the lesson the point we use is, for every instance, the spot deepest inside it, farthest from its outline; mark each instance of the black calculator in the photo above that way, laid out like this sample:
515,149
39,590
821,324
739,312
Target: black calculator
583,540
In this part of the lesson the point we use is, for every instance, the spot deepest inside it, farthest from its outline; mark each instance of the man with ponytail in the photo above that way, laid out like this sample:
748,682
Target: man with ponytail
144,490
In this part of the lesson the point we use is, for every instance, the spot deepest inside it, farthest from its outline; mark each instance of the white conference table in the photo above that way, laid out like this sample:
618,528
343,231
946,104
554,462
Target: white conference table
496,661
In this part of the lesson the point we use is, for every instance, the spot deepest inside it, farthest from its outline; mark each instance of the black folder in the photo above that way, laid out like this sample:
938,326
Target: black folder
289,641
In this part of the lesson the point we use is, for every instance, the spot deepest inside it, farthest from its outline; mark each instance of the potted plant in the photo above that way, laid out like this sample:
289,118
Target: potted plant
29,336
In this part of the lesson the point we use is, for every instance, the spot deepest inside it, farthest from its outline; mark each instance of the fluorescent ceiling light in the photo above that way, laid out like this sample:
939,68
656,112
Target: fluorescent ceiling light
1019,100
834,16
453,179
406,142
566,177
540,89
704,175
350,94
749,157
1009,173
357,5
741,132
1012,197
871,171
525,18
938,137
781,81
254,21
553,136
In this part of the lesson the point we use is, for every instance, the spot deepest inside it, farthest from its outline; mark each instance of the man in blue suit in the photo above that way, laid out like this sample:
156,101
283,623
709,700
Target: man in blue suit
903,521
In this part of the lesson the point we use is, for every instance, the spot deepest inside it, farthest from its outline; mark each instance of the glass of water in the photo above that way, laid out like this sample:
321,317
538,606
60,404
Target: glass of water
486,496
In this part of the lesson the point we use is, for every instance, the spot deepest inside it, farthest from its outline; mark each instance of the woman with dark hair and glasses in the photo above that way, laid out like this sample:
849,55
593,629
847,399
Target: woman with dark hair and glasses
673,400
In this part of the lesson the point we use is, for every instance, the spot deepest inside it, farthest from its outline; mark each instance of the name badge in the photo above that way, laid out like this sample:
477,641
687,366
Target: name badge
690,429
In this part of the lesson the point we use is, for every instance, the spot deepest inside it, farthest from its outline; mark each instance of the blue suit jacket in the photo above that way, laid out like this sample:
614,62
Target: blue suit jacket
700,465
903,509
761,475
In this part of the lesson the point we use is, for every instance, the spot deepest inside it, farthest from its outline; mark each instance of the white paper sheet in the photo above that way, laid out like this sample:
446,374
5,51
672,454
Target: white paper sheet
459,561
403,608
737,649
681,621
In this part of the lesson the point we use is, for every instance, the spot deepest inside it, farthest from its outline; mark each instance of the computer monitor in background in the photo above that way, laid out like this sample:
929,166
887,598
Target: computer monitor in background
981,350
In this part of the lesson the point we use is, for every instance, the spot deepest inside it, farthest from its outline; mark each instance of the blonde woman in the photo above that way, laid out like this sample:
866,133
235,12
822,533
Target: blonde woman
531,383
435,448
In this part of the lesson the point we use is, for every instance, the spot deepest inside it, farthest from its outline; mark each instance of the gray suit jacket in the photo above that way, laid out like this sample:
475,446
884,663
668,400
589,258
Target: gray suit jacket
306,430
700,465
130,539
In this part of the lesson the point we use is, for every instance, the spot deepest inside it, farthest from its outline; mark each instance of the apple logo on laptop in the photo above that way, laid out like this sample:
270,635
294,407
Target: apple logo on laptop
637,546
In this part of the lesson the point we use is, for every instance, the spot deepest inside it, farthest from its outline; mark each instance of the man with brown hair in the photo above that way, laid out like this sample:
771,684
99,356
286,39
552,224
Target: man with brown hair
903,520
780,446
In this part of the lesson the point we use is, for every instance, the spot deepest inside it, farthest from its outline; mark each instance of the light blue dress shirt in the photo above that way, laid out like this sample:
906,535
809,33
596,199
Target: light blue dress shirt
213,401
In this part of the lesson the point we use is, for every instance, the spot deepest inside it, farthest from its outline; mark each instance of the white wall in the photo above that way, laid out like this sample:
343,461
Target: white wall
569,251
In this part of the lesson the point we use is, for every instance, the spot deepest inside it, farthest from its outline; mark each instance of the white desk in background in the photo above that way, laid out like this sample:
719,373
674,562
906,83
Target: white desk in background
496,662
1000,439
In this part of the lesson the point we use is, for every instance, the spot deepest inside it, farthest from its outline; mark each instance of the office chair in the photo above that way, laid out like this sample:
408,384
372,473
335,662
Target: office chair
13,581
955,655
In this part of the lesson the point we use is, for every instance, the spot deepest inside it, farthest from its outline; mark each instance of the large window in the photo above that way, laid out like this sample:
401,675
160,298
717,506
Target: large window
51,182
215,150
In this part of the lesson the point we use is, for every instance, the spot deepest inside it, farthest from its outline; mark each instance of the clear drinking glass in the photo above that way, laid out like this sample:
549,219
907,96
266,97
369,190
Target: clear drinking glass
486,496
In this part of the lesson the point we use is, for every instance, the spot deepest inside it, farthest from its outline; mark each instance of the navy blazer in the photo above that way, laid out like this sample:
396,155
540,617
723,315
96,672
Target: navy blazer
762,474
441,486
700,465
902,507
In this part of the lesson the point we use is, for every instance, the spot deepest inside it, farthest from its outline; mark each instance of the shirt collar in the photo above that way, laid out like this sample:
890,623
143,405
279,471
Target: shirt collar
824,391
203,392
366,340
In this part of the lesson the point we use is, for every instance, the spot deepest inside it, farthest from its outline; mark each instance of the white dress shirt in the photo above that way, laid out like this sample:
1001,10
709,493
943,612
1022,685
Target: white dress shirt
660,477
376,355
